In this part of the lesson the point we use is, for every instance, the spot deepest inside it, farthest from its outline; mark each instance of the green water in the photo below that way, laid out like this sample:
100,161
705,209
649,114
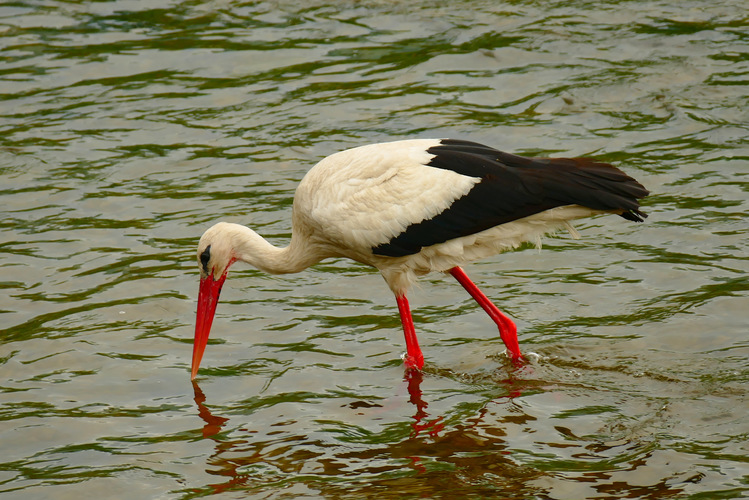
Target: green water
129,127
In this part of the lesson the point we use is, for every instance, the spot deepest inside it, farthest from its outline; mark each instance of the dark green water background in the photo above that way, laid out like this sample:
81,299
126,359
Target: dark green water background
128,127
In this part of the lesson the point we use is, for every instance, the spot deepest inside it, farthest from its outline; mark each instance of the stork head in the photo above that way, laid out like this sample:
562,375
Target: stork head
216,251
215,255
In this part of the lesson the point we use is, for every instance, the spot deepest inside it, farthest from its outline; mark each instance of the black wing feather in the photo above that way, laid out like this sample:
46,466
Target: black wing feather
513,187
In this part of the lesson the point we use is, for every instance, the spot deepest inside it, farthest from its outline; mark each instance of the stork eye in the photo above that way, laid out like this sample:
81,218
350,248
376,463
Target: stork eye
205,257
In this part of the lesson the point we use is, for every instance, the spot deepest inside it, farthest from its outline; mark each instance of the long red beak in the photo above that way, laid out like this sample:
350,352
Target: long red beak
210,289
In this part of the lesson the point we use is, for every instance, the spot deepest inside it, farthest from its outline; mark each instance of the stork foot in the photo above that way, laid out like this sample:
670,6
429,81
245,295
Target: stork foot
413,362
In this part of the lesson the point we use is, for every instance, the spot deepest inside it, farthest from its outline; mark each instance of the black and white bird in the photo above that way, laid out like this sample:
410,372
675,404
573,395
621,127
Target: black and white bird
416,206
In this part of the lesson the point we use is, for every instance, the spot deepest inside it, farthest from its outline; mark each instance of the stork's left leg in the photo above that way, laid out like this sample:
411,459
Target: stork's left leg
414,358
507,329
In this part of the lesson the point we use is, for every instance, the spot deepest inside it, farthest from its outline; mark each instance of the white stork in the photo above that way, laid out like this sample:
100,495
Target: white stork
415,206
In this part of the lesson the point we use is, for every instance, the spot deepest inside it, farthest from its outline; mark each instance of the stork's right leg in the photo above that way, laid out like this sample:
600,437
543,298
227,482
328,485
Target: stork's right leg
507,329
414,359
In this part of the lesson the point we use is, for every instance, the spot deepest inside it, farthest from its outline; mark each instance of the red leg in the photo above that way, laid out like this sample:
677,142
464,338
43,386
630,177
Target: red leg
414,358
507,329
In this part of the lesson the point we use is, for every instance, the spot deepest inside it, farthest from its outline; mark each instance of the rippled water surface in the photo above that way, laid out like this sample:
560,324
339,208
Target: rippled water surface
128,127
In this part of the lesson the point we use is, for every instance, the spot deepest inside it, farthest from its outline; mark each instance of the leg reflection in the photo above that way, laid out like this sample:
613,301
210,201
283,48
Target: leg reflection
432,427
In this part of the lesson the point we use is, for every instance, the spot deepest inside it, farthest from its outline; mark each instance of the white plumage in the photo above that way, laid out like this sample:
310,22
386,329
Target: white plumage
368,195
416,206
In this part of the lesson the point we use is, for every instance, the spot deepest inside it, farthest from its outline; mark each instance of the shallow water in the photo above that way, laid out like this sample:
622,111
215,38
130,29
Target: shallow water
128,127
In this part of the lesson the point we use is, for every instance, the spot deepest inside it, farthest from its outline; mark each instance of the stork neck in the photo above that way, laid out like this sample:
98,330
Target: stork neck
252,248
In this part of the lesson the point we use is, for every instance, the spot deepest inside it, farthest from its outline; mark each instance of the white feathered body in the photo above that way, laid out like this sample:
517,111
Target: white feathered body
354,200
412,207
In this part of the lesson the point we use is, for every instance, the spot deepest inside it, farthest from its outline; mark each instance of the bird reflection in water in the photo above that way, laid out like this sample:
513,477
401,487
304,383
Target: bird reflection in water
241,460
213,424
432,427
413,378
